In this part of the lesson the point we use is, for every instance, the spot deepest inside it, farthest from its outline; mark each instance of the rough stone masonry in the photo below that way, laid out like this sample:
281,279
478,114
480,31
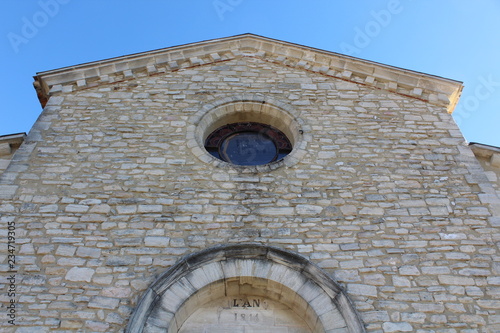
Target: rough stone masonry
112,187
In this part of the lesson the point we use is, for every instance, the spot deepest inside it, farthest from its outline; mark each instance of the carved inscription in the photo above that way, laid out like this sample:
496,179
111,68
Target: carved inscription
237,312
247,317
246,303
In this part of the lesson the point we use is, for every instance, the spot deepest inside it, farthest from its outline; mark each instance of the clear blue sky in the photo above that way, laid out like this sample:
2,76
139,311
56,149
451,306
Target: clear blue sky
456,39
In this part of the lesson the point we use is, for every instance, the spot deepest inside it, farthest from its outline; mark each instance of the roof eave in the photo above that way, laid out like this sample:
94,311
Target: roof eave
434,89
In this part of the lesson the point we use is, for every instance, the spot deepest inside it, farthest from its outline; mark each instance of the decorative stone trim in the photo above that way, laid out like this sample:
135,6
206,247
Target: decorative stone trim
248,107
488,196
275,273
10,143
429,88
12,148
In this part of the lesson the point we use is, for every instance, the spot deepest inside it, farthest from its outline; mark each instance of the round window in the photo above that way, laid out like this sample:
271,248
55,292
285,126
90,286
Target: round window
248,143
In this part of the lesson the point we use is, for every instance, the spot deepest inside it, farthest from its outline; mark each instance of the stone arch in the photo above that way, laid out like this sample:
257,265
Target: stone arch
247,270
252,108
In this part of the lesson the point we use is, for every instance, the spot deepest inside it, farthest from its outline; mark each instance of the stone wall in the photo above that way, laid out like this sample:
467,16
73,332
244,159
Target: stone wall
489,158
384,197
8,146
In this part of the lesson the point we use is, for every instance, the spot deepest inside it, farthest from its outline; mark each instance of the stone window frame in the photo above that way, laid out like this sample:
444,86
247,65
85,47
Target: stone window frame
267,134
248,108
165,304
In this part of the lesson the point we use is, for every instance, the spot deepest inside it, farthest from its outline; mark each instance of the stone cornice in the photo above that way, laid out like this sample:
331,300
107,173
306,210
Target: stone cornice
432,89
13,139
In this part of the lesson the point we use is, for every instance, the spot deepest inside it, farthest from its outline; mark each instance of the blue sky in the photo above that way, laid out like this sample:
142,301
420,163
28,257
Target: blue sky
456,39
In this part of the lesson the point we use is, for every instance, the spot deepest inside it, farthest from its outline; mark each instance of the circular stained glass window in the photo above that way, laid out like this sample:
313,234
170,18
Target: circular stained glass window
248,143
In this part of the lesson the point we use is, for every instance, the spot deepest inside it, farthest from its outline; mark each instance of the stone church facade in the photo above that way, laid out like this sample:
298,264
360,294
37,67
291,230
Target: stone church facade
142,199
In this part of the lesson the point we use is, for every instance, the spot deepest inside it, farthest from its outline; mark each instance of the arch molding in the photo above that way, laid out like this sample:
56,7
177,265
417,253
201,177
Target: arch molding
245,277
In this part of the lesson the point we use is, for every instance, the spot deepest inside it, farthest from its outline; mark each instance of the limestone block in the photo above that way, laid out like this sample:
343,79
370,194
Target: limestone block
4,163
347,275
215,56
71,324
383,243
48,209
371,211
55,100
375,279
414,317
435,270
88,252
81,274
333,322
156,241
456,280
409,270
428,307
390,327
100,302
400,281
66,250
5,149
120,95
474,291
74,208
362,290
55,89
308,209
348,210
149,209
128,242
198,279
103,280
475,272
7,191
350,264
156,160
494,280
275,211
129,209
120,260
118,292
495,160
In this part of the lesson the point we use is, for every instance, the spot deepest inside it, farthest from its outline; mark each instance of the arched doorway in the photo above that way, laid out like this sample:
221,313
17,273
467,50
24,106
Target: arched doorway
244,288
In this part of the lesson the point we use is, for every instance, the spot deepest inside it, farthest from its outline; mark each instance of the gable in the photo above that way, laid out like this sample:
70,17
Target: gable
428,88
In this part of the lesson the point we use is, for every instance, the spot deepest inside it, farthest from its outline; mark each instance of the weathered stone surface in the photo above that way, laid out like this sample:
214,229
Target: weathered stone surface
113,188
155,241
397,327
88,252
80,274
456,280
308,209
363,290
100,302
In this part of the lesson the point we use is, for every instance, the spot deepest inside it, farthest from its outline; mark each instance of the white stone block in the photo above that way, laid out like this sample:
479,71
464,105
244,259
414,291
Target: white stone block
80,274
104,302
495,160
362,290
308,209
390,327
156,241
5,149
